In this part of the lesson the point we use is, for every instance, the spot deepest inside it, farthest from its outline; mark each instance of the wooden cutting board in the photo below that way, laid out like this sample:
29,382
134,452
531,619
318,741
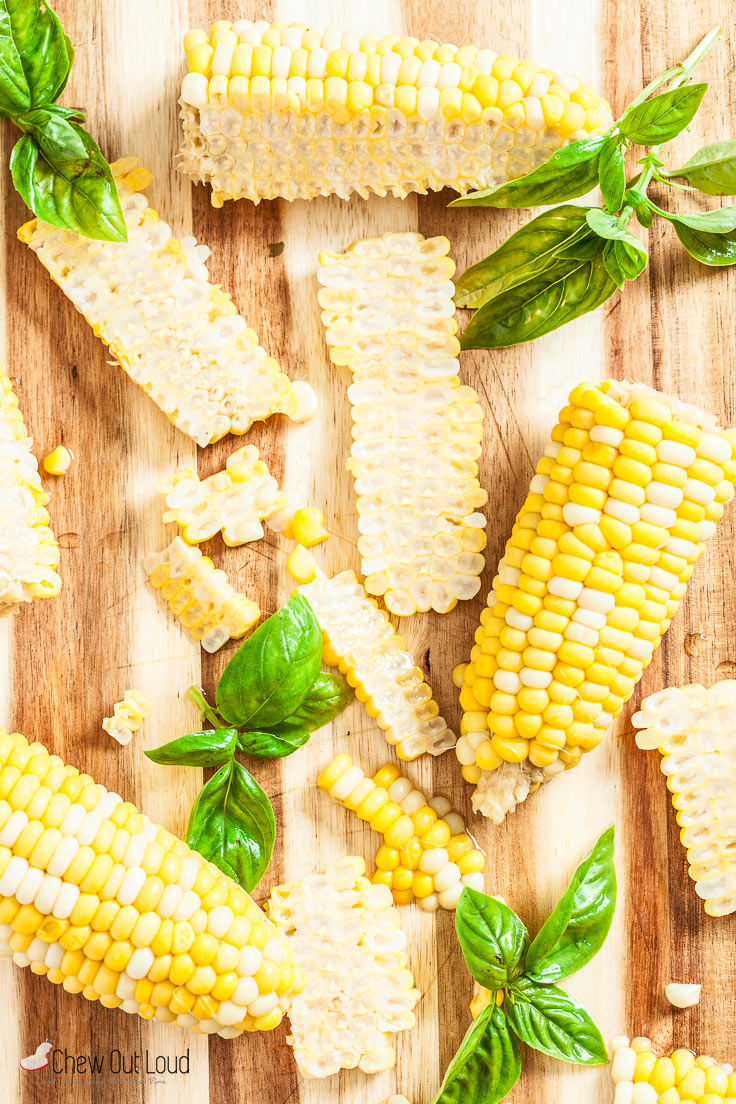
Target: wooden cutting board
64,662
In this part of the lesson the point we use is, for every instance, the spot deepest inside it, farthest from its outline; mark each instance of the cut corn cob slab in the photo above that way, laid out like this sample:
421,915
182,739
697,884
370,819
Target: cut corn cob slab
640,1077
199,595
345,937
283,110
360,640
106,903
28,550
623,502
174,333
128,716
389,317
695,730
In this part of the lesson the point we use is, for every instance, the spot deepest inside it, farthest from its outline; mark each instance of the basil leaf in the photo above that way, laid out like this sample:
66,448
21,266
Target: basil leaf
720,221
712,169
624,261
551,1020
272,673
487,1064
15,95
267,745
232,825
492,937
329,695
662,117
569,172
577,929
210,748
32,39
643,215
710,249
612,174
613,268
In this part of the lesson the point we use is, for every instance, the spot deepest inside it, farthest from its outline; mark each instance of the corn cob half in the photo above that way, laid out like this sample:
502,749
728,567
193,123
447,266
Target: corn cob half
284,110
640,1077
174,333
107,904
623,502
389,316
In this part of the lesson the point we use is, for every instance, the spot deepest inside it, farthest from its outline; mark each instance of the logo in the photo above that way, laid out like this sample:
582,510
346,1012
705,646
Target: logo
39,1059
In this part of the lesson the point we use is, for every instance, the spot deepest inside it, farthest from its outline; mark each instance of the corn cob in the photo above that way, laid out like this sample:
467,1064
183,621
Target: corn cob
199,595
28,550
641,1077
107,904
173,332
427,856
627,494
360,640
695,730
128,716
283,110
389,316
345,935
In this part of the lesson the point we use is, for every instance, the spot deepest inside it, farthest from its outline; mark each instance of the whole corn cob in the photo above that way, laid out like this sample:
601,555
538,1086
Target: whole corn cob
627,494
110,905
641,1077
284,110
389,316
28,550
345,936
695,730
174,333
199,595
128,716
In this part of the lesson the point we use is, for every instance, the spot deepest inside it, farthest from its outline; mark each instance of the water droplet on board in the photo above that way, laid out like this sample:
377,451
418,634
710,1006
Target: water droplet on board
68,540
694,644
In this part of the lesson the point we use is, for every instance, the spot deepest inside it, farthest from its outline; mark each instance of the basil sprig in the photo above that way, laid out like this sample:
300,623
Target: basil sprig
524,1002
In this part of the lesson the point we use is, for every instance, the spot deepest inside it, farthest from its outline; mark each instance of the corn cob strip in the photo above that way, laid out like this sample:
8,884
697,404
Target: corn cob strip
28,550
695,730
173,332
199,595
627,494
389,316
282,110
427,856
128,716
345,936
641,1077
110,905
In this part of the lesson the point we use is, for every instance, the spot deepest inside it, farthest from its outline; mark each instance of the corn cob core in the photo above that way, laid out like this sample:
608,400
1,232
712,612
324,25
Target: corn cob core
285,110
28,550
641,1077
174,333
360,640
128,716
389,316
359,992
110,905
624,499
695,730
199,595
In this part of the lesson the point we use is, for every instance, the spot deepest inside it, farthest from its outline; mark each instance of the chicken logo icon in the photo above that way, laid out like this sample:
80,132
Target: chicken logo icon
39,1058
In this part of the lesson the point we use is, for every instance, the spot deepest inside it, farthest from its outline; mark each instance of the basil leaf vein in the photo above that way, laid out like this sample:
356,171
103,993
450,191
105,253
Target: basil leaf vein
209,748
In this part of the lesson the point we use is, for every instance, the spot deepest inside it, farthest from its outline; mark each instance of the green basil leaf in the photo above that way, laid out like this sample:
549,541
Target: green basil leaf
710,249
712,169
232,825
272,673
663,116
487,1064
613,268
644,215
15,95
554,1022
612,174
32,37
624,261
570,172
492,937
720,221
210,748
328,696
267,745
579,925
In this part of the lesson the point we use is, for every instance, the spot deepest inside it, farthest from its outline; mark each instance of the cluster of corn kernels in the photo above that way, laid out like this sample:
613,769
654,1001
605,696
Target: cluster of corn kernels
627,494
360,640
641,1077
284,110
176,334
389,317
199,595
110,905
695,730
127,716
28,550
427,856
345,936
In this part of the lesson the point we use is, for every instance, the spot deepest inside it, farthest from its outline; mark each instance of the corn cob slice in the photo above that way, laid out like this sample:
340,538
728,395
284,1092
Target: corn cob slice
28,550
128,716
106,903
641,1077
627,494
345,936
283,110
389,316
174,333
695,730
199,595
